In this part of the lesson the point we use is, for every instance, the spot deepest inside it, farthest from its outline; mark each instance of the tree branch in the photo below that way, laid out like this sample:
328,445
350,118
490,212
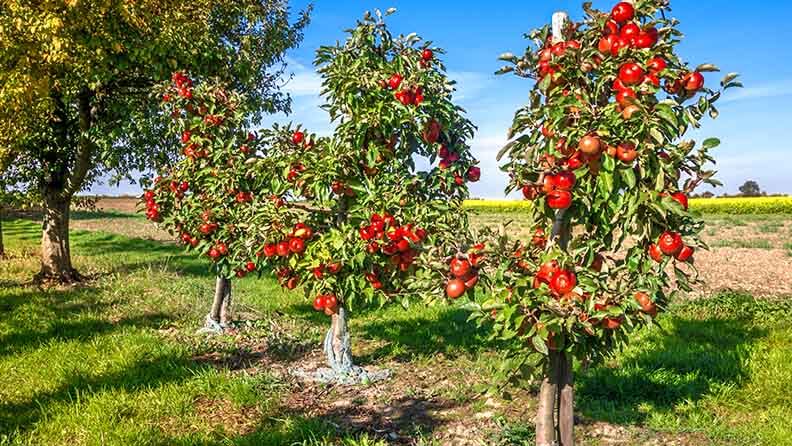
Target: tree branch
309,208
85,148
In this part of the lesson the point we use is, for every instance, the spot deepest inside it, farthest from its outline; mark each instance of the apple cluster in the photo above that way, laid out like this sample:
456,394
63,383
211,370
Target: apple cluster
327,303
203,197
411,95
152,208
464,271
671,244
384,235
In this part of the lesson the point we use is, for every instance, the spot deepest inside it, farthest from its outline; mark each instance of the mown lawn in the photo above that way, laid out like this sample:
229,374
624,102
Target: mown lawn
117,362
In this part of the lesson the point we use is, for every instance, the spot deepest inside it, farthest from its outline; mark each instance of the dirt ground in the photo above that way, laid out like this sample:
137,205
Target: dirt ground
433,399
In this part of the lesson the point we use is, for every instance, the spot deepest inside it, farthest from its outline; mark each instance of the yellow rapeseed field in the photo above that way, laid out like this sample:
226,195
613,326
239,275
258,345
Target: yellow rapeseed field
737,205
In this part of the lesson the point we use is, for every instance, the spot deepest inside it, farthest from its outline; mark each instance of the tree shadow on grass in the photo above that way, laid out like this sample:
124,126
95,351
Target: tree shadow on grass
21,230
32,320
447,332
406,418
665,370
104,215
36,216
72,315
154,371
437,330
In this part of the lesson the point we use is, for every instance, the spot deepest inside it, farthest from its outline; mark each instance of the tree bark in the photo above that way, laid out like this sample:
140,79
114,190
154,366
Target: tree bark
220,314
337,343
545,413
555,414
2,246
55,250
566,398
64,180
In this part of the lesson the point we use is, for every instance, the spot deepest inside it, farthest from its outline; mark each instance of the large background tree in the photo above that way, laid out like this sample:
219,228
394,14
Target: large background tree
76,79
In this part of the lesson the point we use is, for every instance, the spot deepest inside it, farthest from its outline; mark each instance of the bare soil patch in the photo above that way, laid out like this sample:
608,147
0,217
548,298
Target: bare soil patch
117,204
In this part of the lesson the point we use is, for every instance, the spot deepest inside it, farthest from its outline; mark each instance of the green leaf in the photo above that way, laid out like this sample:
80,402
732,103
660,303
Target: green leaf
605,182
707,67
609,165
728,78
628,175
665,112
710,143
544,85
657,136
734,84
540,344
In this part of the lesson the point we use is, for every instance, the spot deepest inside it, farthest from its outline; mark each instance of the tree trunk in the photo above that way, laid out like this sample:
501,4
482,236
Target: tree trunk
548,394
2,246
566,398
220,314
337,344
555,414
55,252
554,418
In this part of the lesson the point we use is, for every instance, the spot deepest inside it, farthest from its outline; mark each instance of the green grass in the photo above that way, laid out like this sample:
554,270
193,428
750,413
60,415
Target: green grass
771,227
93,364
117,362
749,243
717,367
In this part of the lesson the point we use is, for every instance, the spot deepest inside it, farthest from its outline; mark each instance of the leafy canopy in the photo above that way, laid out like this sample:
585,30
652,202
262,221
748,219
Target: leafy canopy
76,76
600,151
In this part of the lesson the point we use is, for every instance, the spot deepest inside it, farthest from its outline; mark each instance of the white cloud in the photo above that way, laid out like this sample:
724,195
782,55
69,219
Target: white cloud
488,144
469,84
304,81
304,84
767,90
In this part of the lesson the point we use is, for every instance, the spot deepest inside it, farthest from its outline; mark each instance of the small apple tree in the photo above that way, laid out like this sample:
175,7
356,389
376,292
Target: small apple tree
374,211
211,198
599,150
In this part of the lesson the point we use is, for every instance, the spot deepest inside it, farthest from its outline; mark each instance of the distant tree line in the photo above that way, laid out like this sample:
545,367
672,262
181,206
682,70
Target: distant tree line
749,189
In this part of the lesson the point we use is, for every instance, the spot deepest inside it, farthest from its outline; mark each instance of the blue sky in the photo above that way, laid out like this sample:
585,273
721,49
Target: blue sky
755,124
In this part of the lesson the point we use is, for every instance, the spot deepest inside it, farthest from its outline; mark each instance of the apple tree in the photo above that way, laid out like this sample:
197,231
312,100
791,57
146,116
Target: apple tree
211,198
601,151
389,182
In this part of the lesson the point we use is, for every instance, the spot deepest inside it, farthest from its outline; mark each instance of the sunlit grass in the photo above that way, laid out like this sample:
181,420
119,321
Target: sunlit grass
117,361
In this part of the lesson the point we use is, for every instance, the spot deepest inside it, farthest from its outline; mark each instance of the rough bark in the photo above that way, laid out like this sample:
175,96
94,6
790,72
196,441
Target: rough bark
55,250
63,181
337,344
2,246
565,401
555,414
